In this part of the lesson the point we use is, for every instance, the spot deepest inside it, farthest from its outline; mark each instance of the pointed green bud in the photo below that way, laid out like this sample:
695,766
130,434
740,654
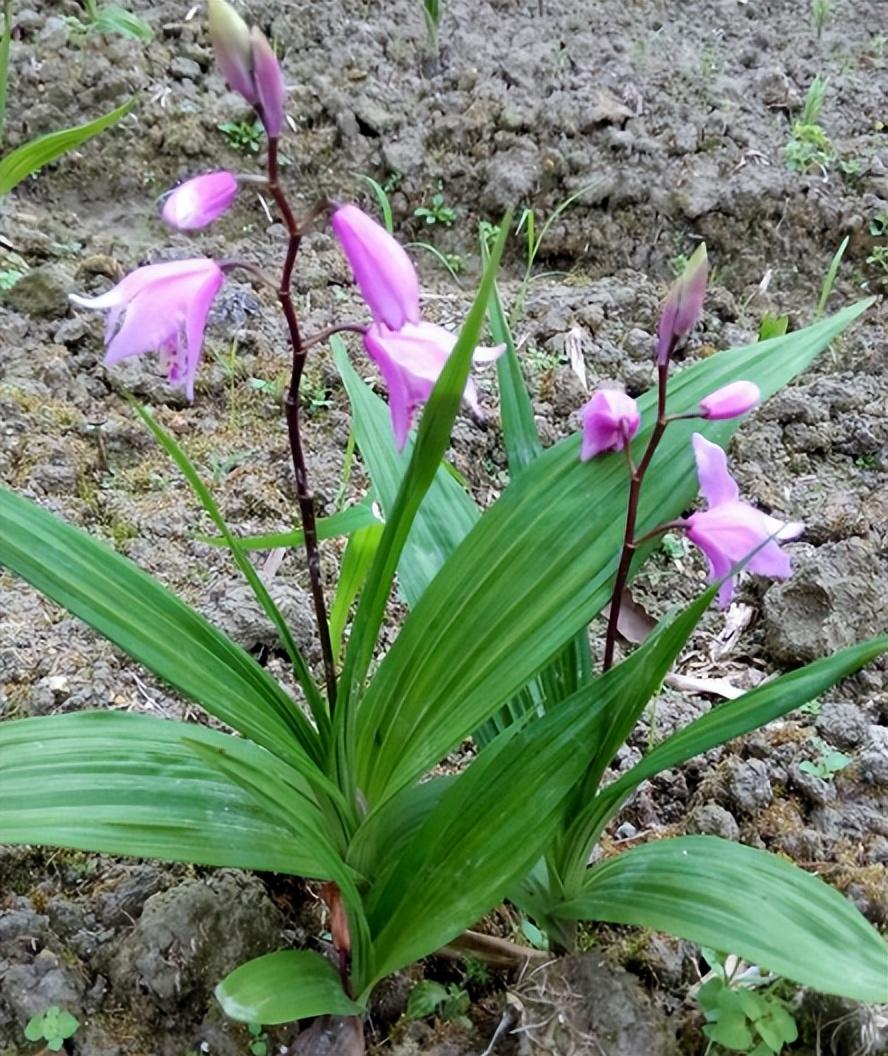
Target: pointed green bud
683,305
231,42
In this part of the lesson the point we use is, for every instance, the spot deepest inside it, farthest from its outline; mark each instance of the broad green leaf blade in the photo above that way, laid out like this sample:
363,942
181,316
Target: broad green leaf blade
494,820
537,568
520,433
343,523
446,514
353,572
28,158
731,719
432,440
120,783
134,611
283,986
745,901
260,591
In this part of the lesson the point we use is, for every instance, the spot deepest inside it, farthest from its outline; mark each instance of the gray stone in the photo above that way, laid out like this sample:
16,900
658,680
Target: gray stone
843,724
185,69
747,784
838,594
817,790
710,819
584,1006
41,293
190,937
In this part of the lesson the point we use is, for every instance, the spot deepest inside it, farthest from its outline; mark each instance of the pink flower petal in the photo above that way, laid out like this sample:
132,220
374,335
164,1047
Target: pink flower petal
199,201
268,81
716,483
382,270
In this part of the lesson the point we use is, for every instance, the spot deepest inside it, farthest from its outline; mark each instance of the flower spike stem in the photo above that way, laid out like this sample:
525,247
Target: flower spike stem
291,407
636,479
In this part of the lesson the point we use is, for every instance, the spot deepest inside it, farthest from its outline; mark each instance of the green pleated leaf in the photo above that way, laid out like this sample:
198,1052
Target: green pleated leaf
120,783
744,901
343,523
537,568
432,440
260,591
284,986
732,719
353,571
446,514
28,158
134,611
494,820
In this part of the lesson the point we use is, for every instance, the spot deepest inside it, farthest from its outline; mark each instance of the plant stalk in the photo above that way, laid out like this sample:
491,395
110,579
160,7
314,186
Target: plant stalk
291,408
636,479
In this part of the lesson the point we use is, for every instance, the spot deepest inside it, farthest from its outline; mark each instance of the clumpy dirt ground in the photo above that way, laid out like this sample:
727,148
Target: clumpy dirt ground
675,119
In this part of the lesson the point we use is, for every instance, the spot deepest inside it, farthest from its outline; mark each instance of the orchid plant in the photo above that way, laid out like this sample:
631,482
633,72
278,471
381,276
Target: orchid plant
334,779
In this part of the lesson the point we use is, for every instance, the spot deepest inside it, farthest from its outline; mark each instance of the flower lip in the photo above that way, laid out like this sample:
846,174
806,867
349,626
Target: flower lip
382,270
199,201
160,308
731,531
610,419
410,360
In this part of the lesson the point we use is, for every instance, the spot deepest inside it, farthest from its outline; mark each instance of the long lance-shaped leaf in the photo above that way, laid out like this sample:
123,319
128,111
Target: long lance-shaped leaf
496,818
153,626
28,158
260,591
744,901
432,440
284,986
445,515
537,568
346,522
731,719
120,783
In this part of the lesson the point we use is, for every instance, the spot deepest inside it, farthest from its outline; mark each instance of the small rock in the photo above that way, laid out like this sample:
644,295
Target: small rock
747,784
190,937
817,790
185,69
838,595
584,1006
42,293
843,724
710,819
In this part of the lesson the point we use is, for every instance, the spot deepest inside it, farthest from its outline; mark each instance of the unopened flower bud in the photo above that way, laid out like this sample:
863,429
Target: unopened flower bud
231,42
199,201
683,305
610,420
383,271
268,81
730,401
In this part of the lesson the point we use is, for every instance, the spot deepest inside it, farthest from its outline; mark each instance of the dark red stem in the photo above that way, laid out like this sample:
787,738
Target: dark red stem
636,479
291,408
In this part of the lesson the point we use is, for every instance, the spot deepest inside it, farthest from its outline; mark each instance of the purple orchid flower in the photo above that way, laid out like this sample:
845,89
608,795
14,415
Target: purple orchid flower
730,401
199,201
383,272
730,529
160,308
410,360
410,353
683,305
610,420
248,63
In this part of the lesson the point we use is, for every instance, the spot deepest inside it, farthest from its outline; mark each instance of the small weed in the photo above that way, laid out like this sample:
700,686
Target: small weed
879,259
743,1012
54,1026
810,148
9,277
878,226
820,15
674,546
258,1040
243,136
477,972
436,212
274,388
489,232
772,326
534,935
812,709
828,763
430,998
